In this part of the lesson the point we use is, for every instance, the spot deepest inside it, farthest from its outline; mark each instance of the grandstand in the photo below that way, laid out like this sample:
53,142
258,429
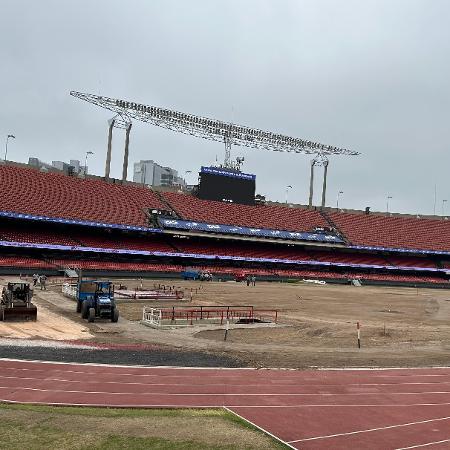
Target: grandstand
51,221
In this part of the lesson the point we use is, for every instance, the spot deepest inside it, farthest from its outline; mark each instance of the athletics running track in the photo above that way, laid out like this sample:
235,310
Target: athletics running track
323,409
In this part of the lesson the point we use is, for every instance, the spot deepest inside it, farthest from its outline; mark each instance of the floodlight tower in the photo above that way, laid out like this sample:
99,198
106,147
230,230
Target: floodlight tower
123,122
319,160
212,129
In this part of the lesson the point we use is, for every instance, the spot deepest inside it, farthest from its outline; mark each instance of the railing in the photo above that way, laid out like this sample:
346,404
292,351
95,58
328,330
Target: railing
196,314
152,316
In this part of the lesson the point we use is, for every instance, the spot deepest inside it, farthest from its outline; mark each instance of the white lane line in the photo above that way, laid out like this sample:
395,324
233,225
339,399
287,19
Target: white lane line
283,385
126,374
259,427
268,369
215,405
374,369
348,405
415,375
409,424
266,381
33,361
278,369
223,394
424,445
218,375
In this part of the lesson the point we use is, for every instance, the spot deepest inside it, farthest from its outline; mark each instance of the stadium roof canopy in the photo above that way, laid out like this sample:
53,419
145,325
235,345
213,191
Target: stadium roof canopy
212,129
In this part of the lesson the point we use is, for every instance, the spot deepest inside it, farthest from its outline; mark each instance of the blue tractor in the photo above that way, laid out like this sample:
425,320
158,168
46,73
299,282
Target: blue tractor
195,274
95,299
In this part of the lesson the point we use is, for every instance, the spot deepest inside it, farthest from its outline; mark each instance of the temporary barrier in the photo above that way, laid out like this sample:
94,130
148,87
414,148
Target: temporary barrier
151,316
190,315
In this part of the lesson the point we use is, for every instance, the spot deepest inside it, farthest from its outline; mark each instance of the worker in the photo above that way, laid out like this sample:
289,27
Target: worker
35,279
42,282
253,280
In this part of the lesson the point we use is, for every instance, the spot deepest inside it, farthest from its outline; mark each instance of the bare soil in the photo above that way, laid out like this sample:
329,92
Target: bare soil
50,324
317,324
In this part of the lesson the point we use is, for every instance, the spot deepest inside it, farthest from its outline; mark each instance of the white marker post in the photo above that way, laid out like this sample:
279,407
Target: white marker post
226,330
359,334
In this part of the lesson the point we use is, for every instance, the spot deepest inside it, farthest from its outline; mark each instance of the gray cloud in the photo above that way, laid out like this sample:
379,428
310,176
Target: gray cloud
371,76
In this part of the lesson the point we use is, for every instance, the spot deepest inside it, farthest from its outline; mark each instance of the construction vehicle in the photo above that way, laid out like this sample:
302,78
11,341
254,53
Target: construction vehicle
194,274
95,299
16,303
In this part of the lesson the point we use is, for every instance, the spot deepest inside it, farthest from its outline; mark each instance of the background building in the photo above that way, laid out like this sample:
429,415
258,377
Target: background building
150,173
74,166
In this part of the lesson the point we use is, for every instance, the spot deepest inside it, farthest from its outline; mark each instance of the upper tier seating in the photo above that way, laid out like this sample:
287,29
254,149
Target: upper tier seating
29,191
393,232
270,216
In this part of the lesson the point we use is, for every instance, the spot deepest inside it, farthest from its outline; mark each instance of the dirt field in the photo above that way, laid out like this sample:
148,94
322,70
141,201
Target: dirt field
317,324
50,325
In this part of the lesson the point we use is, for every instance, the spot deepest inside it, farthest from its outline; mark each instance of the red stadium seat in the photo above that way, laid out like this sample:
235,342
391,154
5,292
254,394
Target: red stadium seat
394,232
271,217
29,191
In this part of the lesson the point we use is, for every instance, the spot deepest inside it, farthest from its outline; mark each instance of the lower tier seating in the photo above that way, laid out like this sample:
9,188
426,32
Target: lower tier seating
24,262
98,264
158,243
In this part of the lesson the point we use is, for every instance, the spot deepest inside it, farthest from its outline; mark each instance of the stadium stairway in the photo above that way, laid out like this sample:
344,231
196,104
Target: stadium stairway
165,202
333,225
71,273
171,244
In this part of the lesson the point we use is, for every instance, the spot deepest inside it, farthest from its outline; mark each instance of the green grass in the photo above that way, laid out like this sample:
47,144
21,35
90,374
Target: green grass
118,412
18,437
35,427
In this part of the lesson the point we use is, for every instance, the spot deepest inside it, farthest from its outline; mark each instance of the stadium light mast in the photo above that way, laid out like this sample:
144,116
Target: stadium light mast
389,197
185,175
227,133
338,198
85,161
6,144
287,192
320,160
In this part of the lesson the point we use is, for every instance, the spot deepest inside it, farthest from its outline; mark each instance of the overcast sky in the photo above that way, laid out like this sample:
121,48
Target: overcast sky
371,76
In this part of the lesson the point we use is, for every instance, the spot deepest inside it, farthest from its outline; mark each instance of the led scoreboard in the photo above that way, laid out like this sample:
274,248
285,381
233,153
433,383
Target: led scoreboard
217,183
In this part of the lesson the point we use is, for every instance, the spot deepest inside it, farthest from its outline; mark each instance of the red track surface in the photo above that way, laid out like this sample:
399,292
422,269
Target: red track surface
330,409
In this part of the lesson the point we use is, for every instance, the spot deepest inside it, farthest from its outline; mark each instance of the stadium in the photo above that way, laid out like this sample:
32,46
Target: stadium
51,222
224,225
215,276
109,226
